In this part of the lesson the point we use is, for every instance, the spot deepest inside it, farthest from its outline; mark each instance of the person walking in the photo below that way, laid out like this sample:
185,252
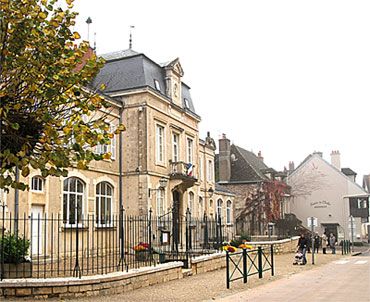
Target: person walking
324,243
332,242
316,243
302,245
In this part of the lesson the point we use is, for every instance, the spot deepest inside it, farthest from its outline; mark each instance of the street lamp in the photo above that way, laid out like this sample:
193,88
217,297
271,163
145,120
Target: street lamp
210,192
162,185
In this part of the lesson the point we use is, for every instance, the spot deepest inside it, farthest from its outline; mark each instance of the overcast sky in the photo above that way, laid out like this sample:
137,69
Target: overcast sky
284,77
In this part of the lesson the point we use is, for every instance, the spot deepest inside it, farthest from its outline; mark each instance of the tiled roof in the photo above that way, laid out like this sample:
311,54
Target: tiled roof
246,166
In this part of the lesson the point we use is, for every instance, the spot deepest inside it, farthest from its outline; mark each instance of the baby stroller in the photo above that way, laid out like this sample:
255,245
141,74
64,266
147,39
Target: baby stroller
298,258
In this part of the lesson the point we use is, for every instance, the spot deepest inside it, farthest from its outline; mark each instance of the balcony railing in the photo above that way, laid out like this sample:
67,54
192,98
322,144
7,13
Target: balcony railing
182,170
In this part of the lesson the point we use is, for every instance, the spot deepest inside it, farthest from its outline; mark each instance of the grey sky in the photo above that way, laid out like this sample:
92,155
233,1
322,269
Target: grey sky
284,77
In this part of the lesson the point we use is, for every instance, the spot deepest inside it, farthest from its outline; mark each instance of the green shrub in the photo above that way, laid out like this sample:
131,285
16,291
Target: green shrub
14,248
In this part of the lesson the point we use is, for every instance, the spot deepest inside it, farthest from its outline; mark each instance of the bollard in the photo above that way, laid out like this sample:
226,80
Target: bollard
227,270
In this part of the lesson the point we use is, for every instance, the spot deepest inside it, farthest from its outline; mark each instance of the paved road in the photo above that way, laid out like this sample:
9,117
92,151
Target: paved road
347,279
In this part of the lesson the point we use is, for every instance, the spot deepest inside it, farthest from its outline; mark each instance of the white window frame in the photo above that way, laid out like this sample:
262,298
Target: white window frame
160,202
39,182
189,150
200,207
210,170
229,212
191,197
67,198
219,208
108,202
201,174
159,144
102,149
175,147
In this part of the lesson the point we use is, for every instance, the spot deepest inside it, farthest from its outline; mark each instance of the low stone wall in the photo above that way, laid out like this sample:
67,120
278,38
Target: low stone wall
217,261
113,283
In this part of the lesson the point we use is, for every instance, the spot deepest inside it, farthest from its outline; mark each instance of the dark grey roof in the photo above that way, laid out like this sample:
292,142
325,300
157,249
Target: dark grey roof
128,69
247,166
348,171
222,189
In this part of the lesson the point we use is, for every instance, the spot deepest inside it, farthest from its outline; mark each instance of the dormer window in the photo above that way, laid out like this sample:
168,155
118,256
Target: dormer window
157,85
186,103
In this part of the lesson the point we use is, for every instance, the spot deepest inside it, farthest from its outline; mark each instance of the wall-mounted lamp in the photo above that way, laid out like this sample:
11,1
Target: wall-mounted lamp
162,185
210,192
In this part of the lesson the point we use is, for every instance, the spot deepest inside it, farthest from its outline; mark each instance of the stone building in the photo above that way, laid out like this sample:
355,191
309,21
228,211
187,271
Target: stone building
159,163
260,190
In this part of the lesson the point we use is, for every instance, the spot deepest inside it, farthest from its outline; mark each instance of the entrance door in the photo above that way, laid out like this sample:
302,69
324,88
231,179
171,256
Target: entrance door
37,242
331,228
176,221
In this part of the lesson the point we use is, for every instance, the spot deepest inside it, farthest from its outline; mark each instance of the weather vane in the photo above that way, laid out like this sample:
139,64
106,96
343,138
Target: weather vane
130,41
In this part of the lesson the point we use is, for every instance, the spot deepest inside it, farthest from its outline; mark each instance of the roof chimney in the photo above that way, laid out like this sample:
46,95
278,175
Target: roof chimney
224,159
260,155
335,159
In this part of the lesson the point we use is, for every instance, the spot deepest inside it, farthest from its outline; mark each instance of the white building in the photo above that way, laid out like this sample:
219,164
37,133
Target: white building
325,191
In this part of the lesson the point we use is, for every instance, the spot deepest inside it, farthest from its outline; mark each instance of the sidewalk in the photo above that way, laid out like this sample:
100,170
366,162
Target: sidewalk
212,285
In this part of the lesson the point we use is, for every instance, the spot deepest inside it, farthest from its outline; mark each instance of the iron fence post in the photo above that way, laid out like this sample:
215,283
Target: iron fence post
150,235
245,272
77,270
272,260
227,270
206,240
259,262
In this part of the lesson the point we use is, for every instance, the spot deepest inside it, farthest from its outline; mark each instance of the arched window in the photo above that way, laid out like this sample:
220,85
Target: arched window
37,184
228,212
73,196
200,208
219,208
103,203
191,203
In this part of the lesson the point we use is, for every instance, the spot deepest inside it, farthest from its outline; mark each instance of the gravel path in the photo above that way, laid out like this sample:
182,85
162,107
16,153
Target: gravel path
212,285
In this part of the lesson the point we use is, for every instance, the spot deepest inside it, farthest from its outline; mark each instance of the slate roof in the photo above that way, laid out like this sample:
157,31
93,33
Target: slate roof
222,189
128,69
247,166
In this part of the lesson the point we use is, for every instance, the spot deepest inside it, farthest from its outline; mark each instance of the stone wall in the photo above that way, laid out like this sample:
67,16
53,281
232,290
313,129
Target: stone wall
217,261
113,283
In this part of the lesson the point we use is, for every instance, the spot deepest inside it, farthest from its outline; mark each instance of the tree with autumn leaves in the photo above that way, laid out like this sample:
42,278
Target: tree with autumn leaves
48,113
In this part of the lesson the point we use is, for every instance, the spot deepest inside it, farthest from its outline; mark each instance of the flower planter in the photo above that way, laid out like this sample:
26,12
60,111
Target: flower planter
20,270
142,255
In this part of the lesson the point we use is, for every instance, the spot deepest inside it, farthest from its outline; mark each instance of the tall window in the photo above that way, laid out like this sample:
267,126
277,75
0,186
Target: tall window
37,184
103,204
228,212
189,149
200,208
201,168
160,203
191,203
159,144
219,208
73,195
105,148
175,147
210,171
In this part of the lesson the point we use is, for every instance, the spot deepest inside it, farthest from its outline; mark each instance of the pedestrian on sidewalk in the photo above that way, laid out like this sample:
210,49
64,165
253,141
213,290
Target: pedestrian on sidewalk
316,243
302,245
332,242
324,242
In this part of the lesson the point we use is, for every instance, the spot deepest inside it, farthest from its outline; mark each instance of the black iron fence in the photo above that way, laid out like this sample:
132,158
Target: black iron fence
246,263
47,246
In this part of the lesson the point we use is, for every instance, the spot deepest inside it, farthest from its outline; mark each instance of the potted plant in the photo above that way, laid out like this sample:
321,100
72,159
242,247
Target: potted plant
13,256
142,251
